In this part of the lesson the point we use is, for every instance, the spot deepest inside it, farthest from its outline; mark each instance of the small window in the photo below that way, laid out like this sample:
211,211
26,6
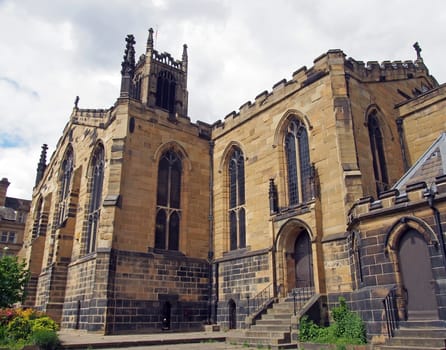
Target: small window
132,125
12,237
8,237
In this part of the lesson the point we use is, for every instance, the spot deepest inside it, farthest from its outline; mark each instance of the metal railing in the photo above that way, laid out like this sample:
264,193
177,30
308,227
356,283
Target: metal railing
391,312
300,296
261,300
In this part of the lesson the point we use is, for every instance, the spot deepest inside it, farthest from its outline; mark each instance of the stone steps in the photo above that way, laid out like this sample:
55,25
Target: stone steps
272,327
419,335
271,331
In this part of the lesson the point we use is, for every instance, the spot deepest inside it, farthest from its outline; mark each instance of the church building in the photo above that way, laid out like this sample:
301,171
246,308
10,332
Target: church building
332,184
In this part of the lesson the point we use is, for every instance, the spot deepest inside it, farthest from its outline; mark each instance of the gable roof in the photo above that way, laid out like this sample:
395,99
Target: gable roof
429,166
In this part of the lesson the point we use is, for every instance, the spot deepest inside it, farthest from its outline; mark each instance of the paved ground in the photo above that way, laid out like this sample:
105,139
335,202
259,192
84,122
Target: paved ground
190,346
158,341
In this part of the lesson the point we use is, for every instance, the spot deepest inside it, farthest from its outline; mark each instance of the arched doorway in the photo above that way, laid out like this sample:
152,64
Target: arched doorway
303,260
417,278
232,314
166,313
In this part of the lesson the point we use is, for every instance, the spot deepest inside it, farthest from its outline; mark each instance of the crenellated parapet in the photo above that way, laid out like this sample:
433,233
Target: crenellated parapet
332,62
92,117
392,201
167,59
374,71
301,78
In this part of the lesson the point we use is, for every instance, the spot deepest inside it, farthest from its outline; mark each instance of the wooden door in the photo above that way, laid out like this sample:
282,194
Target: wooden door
418,281
303,258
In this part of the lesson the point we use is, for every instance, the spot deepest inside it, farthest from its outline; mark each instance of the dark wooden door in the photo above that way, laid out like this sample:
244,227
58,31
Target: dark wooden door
417,277
304,261
232,314
166,316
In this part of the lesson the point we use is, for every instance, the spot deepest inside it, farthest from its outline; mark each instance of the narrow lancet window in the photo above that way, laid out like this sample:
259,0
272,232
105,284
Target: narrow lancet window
94,209
378,158
65,186
168,218
298,163
237,221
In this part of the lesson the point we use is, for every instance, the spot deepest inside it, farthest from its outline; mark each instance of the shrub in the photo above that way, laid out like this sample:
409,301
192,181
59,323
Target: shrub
6,315
347,328
46,339
348,324
44,323
19,328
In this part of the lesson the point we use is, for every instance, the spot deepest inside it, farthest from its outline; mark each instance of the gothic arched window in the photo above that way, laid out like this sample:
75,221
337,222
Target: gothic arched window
65,186
377,149
165,91
237,221
298,163
167,227
356,263
94,208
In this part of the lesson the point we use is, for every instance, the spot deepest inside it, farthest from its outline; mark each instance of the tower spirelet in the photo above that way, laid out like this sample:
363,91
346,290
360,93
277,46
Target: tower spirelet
41,166
150,41
128,67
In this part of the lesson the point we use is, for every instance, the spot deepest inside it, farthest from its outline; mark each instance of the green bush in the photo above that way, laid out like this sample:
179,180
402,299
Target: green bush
347,328
46,339
44,323
19,328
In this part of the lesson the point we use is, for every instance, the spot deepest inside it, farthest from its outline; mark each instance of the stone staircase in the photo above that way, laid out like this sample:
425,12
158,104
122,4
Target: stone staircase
418,335
271,331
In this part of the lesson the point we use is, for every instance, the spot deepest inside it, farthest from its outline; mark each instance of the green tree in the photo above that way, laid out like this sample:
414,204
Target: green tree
13,277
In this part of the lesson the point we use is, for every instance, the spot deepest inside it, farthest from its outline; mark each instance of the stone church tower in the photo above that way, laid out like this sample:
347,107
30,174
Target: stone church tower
121,212
143,220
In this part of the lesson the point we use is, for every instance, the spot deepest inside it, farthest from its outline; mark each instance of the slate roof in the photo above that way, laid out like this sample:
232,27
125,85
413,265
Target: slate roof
429,166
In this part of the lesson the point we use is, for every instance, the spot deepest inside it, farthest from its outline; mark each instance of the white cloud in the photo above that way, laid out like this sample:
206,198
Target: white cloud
53,51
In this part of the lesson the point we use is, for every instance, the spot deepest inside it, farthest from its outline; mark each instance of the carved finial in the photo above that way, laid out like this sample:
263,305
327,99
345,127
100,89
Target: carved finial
42,164
150,40
184,53
417,48
76,101
128,67
128,63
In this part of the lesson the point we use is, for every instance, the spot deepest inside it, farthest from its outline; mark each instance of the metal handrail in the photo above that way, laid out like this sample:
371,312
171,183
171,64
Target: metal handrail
391,312
301,295
261,300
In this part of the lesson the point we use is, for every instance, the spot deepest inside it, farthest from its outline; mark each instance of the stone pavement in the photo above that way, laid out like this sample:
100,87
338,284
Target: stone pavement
155,341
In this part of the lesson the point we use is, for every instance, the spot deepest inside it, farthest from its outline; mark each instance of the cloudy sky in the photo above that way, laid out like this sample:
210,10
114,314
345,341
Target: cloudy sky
52,51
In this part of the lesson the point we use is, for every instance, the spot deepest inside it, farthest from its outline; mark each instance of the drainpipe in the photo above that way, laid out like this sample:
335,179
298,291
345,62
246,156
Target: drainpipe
430,194
211,229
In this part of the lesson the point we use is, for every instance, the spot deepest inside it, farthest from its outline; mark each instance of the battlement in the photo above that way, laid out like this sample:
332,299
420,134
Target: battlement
372,71
393,200
97,117
301,78
386,70
166,59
